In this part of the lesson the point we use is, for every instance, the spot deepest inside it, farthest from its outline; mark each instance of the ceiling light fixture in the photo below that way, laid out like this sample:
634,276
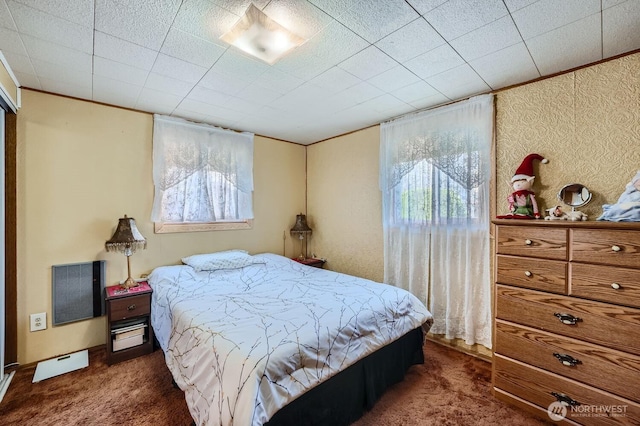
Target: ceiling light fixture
262,37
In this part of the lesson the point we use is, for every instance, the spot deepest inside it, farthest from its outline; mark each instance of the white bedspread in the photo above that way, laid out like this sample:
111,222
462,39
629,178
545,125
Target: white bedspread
243,343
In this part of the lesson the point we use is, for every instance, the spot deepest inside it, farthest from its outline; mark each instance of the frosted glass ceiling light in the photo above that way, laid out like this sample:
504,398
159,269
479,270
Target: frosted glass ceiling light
260,36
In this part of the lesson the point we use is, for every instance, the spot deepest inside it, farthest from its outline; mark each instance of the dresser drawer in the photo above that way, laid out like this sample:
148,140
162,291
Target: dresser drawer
591,364
610,247
607,283
537,386
532,241
129,307
608,325
546,275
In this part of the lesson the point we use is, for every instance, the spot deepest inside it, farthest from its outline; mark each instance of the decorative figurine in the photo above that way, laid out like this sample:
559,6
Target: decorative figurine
556,213
627,209
522,201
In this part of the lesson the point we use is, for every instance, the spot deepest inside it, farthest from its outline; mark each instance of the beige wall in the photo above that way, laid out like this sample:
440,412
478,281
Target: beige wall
587,123
344,203
81,166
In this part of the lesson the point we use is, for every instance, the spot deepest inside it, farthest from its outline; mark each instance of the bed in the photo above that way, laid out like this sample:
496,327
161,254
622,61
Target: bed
261,339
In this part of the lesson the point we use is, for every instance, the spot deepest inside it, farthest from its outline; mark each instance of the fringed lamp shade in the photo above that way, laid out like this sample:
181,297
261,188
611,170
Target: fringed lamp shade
301,229
127,240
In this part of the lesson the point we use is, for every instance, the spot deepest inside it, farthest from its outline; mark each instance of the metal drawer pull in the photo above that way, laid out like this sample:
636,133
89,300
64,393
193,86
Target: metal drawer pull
131,307
528,273
567,318
616,286
565,399
528,242
616,248
567,360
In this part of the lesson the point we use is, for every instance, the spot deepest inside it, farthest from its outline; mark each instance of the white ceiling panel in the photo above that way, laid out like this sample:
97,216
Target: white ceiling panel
506,67
49,27
621,28
568,46
412,40
487,39
459,17
375,20
123,51
366,61
536,18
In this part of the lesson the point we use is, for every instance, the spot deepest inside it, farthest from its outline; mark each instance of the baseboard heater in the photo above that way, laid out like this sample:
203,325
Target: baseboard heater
61,365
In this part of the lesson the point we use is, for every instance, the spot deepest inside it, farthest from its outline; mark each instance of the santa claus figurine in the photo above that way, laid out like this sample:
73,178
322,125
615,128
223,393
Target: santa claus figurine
522,201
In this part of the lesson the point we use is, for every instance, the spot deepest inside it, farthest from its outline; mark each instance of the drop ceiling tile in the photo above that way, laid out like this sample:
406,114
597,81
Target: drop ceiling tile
434,62
167,84
567,47
205,20
178,69
413,39
304,68
459,82
505,67
487,39
190,48
224,83
115,92
299,98
19,63
514,5
28,80
241,105
10,41
416,92
76,11
128,22
301,18
354,95
65,88
368,63
279,81
119,50
119,71
333,8
157,102
335,80
458,17
208,96
430,101
56,54
394,79
424,6
375,20
6,20
258,94
47,70
547,15
621,28
196,106
235,64
610,3
48,27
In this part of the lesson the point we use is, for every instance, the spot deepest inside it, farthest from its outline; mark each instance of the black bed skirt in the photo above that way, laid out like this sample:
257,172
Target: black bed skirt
345,397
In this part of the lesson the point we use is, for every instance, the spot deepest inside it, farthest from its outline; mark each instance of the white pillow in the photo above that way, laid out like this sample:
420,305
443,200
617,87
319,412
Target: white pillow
230,259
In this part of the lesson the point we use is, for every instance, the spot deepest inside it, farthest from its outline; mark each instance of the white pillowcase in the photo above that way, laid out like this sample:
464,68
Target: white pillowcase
230,259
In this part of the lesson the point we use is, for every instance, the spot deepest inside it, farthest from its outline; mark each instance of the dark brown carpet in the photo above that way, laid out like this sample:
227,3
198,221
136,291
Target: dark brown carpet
451,388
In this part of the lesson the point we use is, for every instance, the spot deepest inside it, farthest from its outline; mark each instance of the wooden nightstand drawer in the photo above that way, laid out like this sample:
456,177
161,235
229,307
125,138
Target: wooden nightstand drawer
534,241
539,387
546,275
591,364
129,307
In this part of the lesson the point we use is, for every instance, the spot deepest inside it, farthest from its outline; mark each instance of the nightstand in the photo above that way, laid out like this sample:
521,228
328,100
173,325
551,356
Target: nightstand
316,263
129,332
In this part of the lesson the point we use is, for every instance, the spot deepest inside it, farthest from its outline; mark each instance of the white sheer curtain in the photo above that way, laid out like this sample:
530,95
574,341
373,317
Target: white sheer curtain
201,173
435,168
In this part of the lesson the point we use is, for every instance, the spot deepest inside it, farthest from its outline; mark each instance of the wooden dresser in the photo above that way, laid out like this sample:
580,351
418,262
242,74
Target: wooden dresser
567,320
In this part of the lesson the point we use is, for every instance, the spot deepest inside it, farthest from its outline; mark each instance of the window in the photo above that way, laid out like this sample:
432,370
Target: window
203,177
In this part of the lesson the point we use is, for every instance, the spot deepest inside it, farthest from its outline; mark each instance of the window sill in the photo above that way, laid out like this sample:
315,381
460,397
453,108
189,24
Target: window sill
169,228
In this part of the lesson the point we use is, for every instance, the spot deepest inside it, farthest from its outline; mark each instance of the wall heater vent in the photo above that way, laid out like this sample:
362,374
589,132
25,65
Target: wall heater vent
78,291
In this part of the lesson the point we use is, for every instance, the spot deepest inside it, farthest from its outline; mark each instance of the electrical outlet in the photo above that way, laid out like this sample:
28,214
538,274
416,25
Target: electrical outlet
38,321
